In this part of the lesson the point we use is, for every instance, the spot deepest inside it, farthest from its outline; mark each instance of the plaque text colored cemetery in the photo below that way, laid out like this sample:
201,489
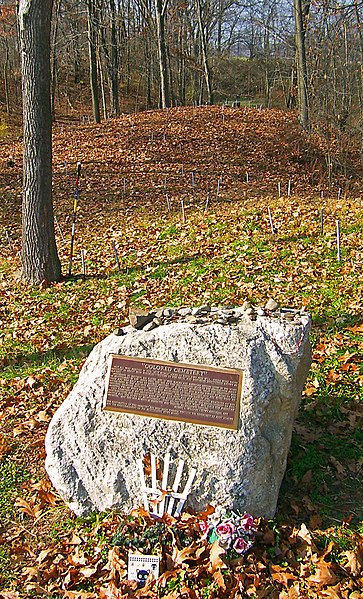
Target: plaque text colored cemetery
173,391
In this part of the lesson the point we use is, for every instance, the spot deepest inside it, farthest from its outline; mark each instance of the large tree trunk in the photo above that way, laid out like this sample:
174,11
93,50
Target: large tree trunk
39,252
301,10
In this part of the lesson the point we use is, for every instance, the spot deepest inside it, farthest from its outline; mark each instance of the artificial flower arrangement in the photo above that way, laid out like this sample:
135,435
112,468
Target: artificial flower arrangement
234,533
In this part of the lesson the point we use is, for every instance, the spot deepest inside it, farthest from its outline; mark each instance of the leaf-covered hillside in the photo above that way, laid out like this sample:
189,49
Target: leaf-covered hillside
184,198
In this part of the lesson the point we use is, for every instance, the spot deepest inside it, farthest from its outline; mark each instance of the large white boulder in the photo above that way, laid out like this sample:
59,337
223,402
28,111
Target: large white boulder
91,453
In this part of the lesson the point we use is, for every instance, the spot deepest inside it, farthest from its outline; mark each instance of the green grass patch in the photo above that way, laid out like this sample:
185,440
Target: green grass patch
169,232
6,568
12,475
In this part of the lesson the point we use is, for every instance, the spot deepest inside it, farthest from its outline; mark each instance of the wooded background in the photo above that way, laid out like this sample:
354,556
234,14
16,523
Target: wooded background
112,56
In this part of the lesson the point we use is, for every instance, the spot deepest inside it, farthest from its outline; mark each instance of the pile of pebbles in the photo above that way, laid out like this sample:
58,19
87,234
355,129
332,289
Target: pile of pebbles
229,315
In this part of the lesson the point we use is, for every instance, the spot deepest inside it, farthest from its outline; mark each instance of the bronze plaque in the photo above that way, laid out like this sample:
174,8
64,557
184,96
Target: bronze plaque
173,391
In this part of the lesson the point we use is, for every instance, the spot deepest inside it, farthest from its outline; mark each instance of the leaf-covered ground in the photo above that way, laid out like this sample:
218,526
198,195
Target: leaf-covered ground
225,168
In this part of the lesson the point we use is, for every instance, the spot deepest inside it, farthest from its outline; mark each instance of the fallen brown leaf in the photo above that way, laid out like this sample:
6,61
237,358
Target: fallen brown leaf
333,592
3,445
282,575
32,510
216,563
354,564
180,555
323,575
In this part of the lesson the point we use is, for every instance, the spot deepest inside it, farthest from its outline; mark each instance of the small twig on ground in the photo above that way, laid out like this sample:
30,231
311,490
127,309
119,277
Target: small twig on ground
116,255
338,240
322,221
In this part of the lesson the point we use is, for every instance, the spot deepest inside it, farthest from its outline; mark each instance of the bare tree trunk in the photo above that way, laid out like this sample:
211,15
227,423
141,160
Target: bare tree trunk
172,99
148,62
302,74
160,10
77,69
115,102
102,85
92,43
207,75
39,252
360,34
181,66
6,78
291,98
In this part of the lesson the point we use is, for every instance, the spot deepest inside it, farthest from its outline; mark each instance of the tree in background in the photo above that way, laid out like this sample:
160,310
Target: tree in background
150,53
204,52
160,14
301,11
93,24
39,256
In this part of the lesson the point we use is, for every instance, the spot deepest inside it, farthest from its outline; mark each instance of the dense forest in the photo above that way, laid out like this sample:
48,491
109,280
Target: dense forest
113,56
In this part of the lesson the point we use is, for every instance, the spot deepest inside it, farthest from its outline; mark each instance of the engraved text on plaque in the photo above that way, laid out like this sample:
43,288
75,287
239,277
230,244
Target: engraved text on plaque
173,391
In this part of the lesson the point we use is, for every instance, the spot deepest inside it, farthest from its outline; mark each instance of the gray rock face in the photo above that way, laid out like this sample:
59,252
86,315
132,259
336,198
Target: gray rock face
91,453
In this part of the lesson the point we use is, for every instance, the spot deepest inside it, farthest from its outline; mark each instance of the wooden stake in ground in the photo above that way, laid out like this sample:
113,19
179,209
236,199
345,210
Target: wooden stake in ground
271,223
59,228
183,211
339,193
167,201
289,188
338,240
124,184
247,178
279,189
75,206
206,204
116,255
83,253
322,221
8,239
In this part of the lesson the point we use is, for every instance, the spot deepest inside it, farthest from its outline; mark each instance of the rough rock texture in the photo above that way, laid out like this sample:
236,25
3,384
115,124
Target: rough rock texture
91,454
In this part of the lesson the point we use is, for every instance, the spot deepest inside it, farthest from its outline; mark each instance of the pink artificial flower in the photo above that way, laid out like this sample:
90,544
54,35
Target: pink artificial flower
246,522
225,530
241,546
203,527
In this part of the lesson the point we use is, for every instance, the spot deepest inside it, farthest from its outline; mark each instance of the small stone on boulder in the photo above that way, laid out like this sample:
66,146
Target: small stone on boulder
139,318
271,305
